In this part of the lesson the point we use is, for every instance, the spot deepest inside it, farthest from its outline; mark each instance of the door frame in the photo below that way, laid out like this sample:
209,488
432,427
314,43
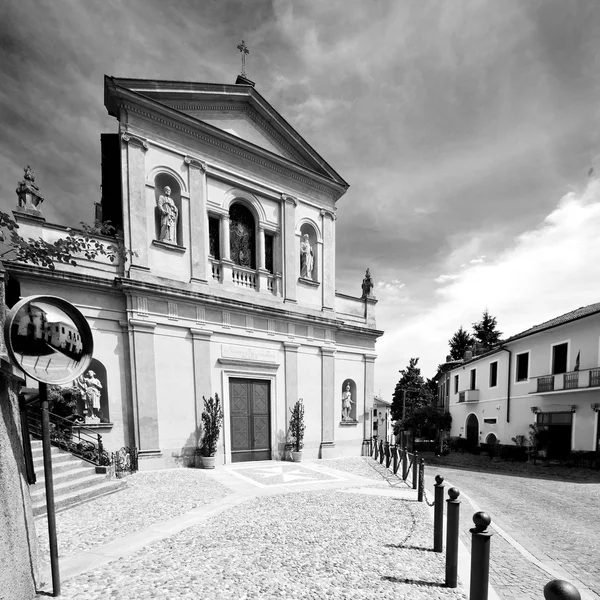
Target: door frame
253,374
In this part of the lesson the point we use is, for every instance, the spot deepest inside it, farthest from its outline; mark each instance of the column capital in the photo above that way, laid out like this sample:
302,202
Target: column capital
190,161
139,325
289,200
328,213
224,216
370,358
134,140
291,346
200,334
327,351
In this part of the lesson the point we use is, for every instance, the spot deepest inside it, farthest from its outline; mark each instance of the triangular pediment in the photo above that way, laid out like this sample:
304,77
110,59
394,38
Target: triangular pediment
238,111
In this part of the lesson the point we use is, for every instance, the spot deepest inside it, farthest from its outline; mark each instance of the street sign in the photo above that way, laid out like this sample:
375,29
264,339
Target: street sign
48,339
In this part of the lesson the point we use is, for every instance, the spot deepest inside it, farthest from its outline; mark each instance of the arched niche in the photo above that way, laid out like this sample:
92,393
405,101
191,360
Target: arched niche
349,386
309,251
491,439
101,415
472,427
242,235
162,180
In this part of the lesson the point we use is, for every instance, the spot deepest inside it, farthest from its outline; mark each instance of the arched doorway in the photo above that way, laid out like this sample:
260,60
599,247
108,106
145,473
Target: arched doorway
472,431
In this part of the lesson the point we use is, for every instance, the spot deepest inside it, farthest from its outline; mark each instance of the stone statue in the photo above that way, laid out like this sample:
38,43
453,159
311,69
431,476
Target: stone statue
367,285
28,193
91,387
168,217
307,258
347,403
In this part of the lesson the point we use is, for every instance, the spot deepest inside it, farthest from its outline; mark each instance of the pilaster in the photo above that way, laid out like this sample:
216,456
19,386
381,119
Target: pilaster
136,192
202,371
328,277
327,402
291,375
198,219
226,264
290,268
144,384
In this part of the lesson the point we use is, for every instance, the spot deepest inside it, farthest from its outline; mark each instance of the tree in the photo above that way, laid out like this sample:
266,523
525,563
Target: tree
411,394
460,342
81,243
485,331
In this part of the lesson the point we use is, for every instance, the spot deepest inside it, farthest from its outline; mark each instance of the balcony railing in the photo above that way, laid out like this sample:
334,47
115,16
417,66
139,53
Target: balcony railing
468,396
244,277
545,384
560,382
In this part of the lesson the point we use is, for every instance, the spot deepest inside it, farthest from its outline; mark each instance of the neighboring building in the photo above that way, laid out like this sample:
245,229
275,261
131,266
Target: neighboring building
548,374
382,419
231,215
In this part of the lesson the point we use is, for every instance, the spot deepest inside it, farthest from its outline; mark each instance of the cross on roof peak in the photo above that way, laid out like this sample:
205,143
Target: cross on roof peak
244,50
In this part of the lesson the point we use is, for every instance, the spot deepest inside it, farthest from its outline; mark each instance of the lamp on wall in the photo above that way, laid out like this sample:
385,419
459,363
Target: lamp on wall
595,407
534,409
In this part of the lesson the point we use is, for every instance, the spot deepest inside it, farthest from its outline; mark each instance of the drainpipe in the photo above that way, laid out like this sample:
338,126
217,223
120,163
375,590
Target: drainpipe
508,387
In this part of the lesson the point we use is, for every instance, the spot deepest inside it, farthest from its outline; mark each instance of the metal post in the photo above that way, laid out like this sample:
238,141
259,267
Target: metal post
421,491
381,452
415,470
375,450
49,490
438,514
404,463
480,557
395,458
558,589
452,537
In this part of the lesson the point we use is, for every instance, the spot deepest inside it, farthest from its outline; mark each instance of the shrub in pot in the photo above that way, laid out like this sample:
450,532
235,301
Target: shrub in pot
296,430
212,419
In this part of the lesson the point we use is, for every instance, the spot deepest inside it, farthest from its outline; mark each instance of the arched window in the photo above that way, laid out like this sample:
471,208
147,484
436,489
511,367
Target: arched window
349,401
308,252
167,213
242,237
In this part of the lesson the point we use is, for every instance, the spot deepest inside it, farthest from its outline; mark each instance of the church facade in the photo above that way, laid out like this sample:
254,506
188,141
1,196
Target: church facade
231,217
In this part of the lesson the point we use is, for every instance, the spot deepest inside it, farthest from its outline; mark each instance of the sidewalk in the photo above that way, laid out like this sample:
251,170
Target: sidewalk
322,529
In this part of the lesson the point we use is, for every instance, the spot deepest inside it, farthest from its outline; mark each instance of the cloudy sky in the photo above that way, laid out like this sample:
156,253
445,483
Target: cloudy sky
466,129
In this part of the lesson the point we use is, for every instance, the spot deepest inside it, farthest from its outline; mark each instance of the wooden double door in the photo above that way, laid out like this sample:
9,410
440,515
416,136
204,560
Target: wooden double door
250,414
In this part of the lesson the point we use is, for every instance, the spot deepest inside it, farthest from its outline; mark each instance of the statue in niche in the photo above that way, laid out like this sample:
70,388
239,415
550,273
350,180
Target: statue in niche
367,285
307,258
91,387
347,403
168,217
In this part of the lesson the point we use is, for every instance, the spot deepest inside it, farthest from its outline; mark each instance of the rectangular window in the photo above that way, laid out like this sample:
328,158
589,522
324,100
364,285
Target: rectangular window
559,358
473,378
523,366
494,374
214,226
456,384
269,252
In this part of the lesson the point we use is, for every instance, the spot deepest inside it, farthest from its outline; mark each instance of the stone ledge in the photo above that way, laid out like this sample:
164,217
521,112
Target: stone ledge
348,423
168,246
308,282
93,425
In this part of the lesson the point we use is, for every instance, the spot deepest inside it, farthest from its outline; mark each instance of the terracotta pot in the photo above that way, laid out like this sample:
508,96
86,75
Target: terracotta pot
296,456
208,462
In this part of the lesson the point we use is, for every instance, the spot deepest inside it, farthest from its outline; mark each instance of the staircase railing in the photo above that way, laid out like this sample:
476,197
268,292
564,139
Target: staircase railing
67,434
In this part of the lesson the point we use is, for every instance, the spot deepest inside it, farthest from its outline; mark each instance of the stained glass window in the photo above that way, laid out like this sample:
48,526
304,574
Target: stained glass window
241,236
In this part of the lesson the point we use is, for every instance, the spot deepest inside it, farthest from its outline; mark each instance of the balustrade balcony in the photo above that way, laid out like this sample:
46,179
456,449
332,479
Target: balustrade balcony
253,279
563,382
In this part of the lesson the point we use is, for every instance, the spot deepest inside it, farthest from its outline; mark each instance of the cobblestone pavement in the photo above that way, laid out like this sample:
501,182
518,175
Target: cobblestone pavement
552,528
328,529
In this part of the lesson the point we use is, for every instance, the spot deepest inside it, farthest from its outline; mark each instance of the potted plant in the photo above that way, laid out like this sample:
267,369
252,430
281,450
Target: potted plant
212,419
296,431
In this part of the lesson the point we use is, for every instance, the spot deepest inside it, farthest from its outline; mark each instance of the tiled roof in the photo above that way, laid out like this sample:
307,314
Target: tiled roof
574,315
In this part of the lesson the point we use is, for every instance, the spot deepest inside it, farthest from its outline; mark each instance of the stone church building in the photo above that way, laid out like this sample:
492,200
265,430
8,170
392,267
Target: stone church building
231,215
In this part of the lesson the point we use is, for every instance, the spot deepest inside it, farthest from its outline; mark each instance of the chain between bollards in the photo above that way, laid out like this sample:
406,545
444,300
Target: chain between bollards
453,512
480,557
438,514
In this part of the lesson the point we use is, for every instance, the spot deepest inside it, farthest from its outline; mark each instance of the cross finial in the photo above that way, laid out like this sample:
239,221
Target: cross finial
244,50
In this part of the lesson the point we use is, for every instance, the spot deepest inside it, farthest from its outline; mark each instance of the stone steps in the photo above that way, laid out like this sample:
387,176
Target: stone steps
75,481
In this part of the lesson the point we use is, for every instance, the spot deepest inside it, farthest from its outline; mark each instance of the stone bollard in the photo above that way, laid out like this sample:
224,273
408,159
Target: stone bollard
480,557
415,477
421,491
452,537
558,589
438,514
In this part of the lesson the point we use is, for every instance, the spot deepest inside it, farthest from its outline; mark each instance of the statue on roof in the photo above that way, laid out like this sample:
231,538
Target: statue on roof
367,285
28,193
